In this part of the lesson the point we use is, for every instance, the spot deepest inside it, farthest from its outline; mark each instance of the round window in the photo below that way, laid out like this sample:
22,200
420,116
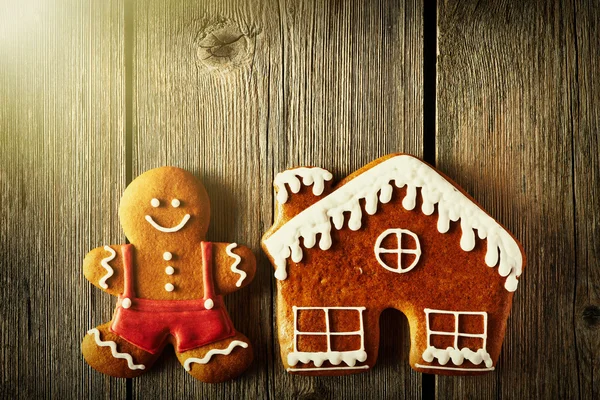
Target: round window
403,252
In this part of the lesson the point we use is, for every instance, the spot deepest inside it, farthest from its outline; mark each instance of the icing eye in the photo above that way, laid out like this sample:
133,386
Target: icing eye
155,203
175,203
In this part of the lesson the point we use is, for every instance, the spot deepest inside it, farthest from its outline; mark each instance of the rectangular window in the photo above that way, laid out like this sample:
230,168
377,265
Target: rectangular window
456,337
454,331
331,337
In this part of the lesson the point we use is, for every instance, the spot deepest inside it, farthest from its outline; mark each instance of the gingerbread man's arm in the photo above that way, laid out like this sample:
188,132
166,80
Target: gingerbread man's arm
103,266
235,267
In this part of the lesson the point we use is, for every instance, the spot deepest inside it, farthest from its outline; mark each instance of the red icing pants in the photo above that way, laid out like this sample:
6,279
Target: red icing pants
147,323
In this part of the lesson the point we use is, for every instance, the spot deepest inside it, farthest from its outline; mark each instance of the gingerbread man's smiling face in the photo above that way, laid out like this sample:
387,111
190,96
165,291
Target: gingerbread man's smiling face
165,204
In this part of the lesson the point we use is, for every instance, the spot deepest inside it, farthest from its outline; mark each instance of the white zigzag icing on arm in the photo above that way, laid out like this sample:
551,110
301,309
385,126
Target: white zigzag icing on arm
237,261
208,356
108,268
113,350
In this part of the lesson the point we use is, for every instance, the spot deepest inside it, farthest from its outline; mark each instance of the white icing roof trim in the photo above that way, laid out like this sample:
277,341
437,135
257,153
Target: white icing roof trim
310,176
404,171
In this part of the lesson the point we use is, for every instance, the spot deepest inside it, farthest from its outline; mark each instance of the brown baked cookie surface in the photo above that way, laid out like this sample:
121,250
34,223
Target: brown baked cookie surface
170,283
395,234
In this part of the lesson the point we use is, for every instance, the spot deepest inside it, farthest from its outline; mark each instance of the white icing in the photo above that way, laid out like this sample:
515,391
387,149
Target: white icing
326,368
113,350
109,271
237,261
310,176
407,171
453,368
169,270
155,203
208,304
167,256
334,357
126,303
453,353
176,228
398,232
175,203
457,356
208,356
169,287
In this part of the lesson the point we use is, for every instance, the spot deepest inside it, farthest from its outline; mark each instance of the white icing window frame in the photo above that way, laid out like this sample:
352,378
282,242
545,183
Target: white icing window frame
305,357
454,353
382,250
456,332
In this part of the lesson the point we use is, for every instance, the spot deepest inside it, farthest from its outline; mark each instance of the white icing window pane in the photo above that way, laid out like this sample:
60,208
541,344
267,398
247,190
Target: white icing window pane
446,342
328,345
397,250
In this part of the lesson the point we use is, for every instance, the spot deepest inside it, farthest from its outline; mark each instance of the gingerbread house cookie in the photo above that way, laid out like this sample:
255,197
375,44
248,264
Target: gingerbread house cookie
394,234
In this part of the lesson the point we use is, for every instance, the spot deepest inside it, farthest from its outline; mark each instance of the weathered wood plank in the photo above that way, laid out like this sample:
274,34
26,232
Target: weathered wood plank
204,87
352,85
504,133
279,111
586,166
62,171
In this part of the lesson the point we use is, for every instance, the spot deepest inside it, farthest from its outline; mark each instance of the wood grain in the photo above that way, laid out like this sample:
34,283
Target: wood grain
326,84
62,163
505,133
238,91
585,118
352,92
204,86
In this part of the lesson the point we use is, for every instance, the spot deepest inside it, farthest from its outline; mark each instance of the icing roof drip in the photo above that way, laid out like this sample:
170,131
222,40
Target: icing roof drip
310,176
374,185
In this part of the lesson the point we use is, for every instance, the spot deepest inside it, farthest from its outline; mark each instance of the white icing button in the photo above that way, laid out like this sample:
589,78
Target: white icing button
169,270
167,256
208,304
169,287
155,203
126,303
175,203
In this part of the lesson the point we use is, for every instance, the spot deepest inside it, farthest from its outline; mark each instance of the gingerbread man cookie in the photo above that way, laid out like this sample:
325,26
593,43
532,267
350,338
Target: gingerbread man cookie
395,234
170,284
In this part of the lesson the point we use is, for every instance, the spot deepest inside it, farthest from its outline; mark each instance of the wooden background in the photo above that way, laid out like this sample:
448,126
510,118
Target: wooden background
503,96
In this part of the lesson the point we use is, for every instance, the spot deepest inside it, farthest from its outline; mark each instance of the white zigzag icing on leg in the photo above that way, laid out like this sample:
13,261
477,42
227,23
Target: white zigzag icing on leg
208,356
113,349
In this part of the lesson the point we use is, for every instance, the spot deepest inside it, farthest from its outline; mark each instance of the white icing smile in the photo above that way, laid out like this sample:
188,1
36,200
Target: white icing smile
156,226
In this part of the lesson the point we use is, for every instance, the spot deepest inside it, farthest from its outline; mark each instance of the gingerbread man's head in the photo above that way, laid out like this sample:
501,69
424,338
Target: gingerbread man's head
165,205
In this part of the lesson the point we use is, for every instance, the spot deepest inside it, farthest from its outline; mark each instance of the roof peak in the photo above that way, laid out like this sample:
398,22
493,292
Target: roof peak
374,185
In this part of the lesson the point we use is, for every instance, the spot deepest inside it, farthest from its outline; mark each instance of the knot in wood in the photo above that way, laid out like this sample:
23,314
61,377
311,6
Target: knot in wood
225,48
591,316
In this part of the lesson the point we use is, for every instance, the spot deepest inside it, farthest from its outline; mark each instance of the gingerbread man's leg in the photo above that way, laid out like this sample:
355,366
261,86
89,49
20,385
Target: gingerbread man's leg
218,361
108,353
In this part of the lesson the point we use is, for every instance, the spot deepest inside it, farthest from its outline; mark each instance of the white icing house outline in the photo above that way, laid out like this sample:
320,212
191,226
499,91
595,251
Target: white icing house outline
399,250
454,354
334,357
